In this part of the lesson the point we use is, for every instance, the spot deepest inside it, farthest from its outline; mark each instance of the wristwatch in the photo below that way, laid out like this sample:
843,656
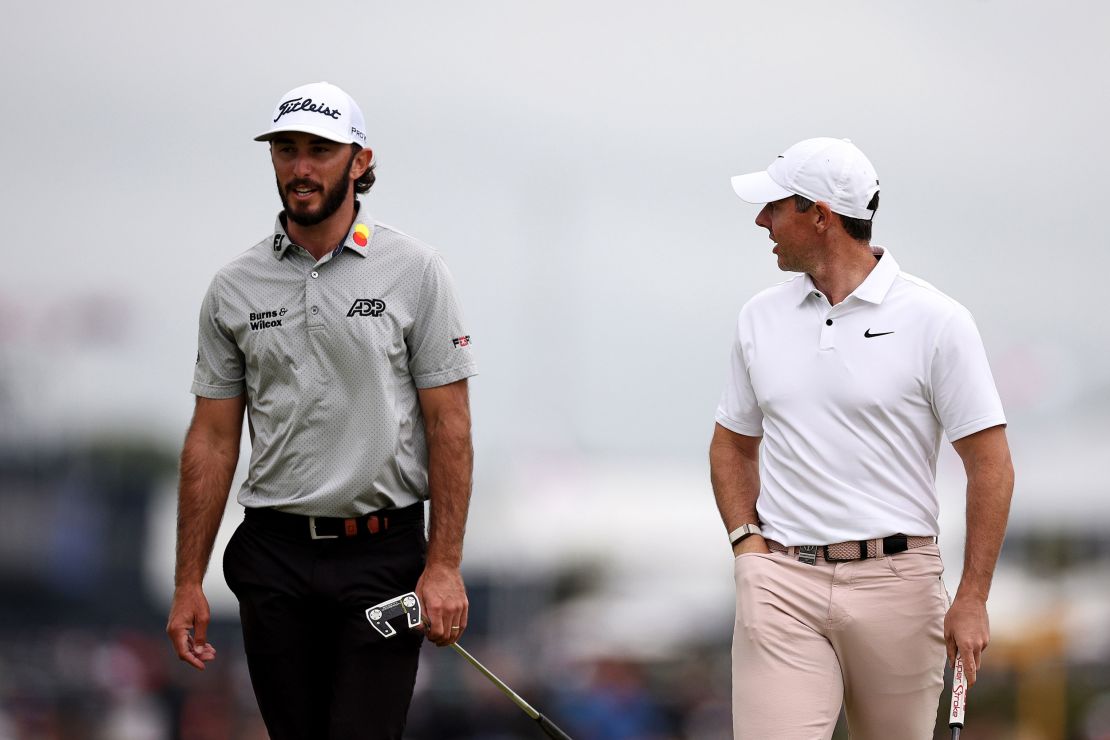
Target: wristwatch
744,530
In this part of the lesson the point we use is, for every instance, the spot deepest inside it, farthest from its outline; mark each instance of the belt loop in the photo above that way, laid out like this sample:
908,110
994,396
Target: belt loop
880,551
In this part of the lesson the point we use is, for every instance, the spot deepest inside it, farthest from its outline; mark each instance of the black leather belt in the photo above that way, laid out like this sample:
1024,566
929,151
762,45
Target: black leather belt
332,528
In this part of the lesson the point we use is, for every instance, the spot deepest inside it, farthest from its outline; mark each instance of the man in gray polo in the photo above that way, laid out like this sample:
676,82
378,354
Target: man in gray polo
342,340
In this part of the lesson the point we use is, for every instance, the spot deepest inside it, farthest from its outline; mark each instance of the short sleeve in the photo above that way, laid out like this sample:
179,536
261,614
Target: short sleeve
439,344
739,409
964,396
220,369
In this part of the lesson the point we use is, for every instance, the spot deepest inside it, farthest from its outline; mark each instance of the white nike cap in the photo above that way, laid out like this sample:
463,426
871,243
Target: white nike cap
318,108
834,171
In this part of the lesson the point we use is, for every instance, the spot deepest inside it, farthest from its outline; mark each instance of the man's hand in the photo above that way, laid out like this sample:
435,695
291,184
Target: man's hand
751,543
967,632
188,626
443,599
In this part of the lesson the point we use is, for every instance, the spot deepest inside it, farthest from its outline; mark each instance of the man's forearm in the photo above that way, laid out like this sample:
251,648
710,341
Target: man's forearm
990,486
450,468
206,473
734,473
989,491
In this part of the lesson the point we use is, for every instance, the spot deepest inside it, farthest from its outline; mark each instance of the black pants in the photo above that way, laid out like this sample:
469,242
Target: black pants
319,669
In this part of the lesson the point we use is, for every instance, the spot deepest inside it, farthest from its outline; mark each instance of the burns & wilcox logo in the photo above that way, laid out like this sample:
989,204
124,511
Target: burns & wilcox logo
367,307
266,319
298,104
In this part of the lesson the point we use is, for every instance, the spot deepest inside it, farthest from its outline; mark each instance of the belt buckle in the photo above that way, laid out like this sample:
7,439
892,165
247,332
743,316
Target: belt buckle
807,554
314,535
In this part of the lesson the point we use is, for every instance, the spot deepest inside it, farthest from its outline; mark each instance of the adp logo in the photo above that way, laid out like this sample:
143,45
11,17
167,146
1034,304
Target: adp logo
367,307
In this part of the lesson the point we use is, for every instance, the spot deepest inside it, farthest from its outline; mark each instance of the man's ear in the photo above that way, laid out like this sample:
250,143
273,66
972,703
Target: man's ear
823,217
361,162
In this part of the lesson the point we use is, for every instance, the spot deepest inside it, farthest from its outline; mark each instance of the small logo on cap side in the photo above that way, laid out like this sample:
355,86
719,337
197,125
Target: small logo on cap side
298,104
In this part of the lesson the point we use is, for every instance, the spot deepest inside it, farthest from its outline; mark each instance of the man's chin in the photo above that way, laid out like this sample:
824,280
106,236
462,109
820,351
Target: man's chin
303,215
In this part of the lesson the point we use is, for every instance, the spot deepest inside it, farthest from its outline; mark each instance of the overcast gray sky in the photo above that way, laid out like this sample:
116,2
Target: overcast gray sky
571,161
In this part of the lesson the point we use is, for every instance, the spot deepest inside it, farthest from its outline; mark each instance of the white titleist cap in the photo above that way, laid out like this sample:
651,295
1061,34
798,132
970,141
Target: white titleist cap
318,108
834,171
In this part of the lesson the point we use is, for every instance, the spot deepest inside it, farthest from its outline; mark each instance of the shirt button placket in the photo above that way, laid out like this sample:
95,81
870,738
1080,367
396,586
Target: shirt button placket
828,334
312,298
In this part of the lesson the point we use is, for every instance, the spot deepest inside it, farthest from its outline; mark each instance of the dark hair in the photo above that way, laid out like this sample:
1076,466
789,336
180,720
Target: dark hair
366,180
857,228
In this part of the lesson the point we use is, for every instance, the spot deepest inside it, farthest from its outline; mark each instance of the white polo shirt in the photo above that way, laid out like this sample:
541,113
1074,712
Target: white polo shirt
851,401
330,354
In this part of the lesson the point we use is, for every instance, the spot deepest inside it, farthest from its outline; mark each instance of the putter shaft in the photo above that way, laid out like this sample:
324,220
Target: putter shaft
525,706
549,728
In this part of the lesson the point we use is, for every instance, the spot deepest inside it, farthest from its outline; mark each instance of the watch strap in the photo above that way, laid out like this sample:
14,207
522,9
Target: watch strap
743,531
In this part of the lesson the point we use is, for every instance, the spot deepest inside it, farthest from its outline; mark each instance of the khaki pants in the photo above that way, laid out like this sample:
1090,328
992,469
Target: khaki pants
865,633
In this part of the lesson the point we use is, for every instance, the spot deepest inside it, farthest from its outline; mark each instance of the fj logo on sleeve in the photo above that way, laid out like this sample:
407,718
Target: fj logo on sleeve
367,307
461,341
869,335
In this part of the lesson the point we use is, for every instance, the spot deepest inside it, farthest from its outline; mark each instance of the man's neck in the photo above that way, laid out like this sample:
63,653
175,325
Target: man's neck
845,271
325,236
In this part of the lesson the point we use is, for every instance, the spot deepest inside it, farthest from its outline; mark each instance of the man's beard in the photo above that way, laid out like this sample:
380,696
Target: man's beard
334,197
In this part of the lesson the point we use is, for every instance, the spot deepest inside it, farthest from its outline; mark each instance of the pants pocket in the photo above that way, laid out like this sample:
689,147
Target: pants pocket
919,564
229,560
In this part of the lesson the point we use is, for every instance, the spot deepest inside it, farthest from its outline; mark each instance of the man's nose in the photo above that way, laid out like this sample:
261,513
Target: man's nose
302,166
763,218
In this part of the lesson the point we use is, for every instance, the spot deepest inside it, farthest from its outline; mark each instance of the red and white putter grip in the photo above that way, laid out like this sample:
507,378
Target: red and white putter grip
959,698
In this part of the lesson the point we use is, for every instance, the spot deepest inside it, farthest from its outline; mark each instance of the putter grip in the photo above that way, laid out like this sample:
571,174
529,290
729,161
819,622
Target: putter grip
550,729
959,695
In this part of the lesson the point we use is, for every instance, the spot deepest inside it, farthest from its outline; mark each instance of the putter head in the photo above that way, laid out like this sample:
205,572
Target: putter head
380,614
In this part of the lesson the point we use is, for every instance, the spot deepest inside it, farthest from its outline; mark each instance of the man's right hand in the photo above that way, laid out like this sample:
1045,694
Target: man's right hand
188,626
752,543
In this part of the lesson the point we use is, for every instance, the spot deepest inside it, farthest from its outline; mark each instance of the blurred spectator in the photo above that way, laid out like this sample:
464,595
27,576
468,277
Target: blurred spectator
615,704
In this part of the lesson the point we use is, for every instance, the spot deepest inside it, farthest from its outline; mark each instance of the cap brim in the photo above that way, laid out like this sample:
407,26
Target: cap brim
323,133
758,187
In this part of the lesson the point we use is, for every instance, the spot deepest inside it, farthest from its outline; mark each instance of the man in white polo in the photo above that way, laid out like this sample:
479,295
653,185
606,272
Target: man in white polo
842,381
343,341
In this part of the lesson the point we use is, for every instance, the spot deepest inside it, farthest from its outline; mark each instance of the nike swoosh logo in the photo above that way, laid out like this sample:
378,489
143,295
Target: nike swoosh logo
868,334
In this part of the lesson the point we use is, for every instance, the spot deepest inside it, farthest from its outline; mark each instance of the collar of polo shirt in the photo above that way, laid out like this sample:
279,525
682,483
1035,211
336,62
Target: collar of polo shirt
874,287
358,237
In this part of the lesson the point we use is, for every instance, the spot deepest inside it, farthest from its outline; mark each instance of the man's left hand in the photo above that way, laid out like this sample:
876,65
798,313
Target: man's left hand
445,607
967,632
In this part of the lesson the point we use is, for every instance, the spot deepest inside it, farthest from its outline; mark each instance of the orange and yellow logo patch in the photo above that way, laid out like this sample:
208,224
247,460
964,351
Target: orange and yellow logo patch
361,235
